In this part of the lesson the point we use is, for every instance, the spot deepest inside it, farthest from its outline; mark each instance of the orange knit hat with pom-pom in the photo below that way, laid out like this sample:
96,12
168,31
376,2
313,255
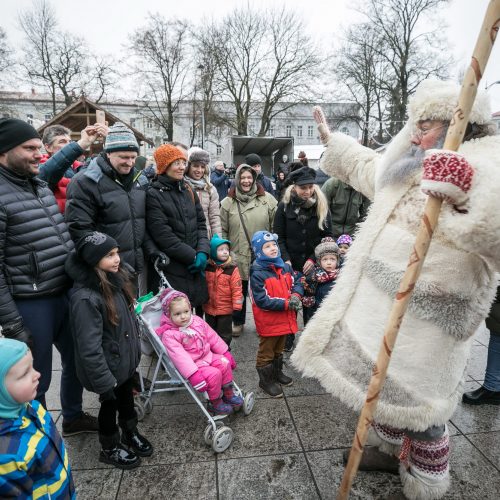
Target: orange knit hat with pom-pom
165,155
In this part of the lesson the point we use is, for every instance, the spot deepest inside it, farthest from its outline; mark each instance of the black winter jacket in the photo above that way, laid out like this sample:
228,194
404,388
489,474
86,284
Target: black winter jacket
297,240
177,225
493,319
105,355
96,201
34,243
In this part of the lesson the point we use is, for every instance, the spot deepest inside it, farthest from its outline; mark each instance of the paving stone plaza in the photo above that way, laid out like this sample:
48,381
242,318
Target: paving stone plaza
289,448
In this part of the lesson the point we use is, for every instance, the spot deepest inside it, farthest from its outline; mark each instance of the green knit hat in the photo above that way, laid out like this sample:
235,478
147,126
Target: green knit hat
215,243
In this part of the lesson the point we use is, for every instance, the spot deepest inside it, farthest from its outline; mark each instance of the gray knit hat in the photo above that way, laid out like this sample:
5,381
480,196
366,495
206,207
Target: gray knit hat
198,155
327,246
120,138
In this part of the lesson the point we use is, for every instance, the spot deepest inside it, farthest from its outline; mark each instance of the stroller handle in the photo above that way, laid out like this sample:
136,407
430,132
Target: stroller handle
161,274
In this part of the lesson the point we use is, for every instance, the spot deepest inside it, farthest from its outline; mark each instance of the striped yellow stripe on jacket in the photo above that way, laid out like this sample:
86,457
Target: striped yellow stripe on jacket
33,460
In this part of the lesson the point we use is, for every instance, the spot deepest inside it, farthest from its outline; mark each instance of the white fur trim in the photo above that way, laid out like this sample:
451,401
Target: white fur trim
437,99
445,190
419,488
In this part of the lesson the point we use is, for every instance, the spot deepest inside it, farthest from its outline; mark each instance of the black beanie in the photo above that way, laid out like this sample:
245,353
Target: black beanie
95,246
14,132
252,159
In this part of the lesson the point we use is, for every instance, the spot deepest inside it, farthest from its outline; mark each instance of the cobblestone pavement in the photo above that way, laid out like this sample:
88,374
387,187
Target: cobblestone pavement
289,448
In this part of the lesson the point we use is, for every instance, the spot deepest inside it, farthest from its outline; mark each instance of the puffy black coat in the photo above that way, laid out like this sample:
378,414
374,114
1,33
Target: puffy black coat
297,240
96,201
177,225
493,319
105,354
34,243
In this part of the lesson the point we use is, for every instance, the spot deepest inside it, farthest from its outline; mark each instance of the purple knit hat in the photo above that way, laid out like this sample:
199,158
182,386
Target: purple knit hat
344,239
166,298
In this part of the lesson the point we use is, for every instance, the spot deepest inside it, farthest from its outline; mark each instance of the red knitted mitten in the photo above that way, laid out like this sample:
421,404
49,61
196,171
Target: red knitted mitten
447,175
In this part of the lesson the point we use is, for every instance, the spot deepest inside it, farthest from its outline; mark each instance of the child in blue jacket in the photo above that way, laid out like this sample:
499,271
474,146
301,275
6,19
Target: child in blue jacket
275,293
33,459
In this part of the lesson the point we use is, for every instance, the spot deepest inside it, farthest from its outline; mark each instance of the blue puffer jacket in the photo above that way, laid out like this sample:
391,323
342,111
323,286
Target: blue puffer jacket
33,459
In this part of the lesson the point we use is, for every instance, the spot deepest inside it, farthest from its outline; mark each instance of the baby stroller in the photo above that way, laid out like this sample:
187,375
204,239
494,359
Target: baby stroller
166,377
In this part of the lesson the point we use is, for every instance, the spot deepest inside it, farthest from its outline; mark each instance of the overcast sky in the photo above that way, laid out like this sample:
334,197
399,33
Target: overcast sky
106,24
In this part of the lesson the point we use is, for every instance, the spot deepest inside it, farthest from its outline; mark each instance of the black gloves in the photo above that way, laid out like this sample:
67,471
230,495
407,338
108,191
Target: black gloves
161,260
17,331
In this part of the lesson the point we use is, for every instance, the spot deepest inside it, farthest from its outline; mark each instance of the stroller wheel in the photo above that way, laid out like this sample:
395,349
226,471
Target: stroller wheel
248,403
208,434
222,439
139,409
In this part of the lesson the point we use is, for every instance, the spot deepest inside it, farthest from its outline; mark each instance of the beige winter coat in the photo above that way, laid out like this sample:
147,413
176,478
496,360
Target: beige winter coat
452,297
209,200
258,215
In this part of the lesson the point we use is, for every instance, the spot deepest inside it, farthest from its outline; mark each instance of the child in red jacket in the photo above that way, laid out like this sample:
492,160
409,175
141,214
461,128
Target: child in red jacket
275,292
224,289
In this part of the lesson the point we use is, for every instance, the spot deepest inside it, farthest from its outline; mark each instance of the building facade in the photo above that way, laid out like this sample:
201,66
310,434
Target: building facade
296,122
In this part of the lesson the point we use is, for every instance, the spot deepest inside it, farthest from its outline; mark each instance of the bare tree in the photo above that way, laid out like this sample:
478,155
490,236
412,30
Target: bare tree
359,70
413,48
5,51
264,63
292,66
102,77
164,64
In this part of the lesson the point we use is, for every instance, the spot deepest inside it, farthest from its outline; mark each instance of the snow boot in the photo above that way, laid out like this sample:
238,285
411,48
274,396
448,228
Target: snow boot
219,407
230,397
282,379
375,460
268,382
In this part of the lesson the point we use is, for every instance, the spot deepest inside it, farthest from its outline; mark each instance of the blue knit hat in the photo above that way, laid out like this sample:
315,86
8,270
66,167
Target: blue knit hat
120,138
259,239
11,351
215,243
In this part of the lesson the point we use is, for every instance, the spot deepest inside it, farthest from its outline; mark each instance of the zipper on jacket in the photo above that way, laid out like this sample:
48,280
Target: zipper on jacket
347,210
132,218
54,224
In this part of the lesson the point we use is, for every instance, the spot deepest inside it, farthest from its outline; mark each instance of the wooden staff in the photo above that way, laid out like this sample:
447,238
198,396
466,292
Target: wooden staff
454,137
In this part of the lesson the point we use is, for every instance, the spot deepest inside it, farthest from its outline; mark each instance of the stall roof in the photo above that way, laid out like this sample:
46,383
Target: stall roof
243,145
82,113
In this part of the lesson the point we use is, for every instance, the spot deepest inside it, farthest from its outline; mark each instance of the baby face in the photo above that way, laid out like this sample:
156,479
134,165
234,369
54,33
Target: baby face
22,379
328,262
270,249
223,252
343,248
180,312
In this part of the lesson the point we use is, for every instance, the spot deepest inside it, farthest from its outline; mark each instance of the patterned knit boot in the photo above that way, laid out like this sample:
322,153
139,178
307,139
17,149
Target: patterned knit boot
424,471
386,439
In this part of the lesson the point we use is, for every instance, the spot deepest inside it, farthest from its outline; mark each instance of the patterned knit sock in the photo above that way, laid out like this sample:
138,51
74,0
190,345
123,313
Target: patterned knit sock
425,472
386,439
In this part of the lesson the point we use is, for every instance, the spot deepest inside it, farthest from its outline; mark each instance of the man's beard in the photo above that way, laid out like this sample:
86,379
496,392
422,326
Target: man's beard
401,170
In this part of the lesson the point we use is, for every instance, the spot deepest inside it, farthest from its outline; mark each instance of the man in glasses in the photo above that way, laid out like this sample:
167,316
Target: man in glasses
340,344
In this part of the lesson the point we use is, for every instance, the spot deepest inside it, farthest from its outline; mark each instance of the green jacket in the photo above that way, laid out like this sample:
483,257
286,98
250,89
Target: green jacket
347,206
258,215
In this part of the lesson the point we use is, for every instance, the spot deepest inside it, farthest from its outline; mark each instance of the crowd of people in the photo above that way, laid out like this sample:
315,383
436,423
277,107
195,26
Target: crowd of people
80,241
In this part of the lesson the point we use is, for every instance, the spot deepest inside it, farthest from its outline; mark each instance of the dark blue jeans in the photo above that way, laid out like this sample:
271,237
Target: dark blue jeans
492,376
48,320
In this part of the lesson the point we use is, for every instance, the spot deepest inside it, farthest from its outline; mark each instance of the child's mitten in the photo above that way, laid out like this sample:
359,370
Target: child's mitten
294,303
229,357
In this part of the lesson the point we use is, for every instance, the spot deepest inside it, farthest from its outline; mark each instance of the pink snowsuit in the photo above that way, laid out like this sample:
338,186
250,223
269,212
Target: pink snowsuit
197,347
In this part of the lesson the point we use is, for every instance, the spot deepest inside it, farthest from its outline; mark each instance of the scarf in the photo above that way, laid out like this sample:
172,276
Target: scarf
302,208
266,261
246,197
197,185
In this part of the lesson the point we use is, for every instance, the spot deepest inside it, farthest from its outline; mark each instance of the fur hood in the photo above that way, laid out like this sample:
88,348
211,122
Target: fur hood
437,100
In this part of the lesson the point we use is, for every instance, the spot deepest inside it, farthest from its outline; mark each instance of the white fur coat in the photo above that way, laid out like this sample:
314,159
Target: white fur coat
340,343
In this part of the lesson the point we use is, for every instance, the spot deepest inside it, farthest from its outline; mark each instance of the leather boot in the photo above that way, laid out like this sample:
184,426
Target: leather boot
267,381
481,396
114,453
374,460
278,372
133,439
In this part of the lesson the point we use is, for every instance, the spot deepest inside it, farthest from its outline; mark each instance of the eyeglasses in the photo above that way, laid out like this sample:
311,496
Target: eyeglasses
419,133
